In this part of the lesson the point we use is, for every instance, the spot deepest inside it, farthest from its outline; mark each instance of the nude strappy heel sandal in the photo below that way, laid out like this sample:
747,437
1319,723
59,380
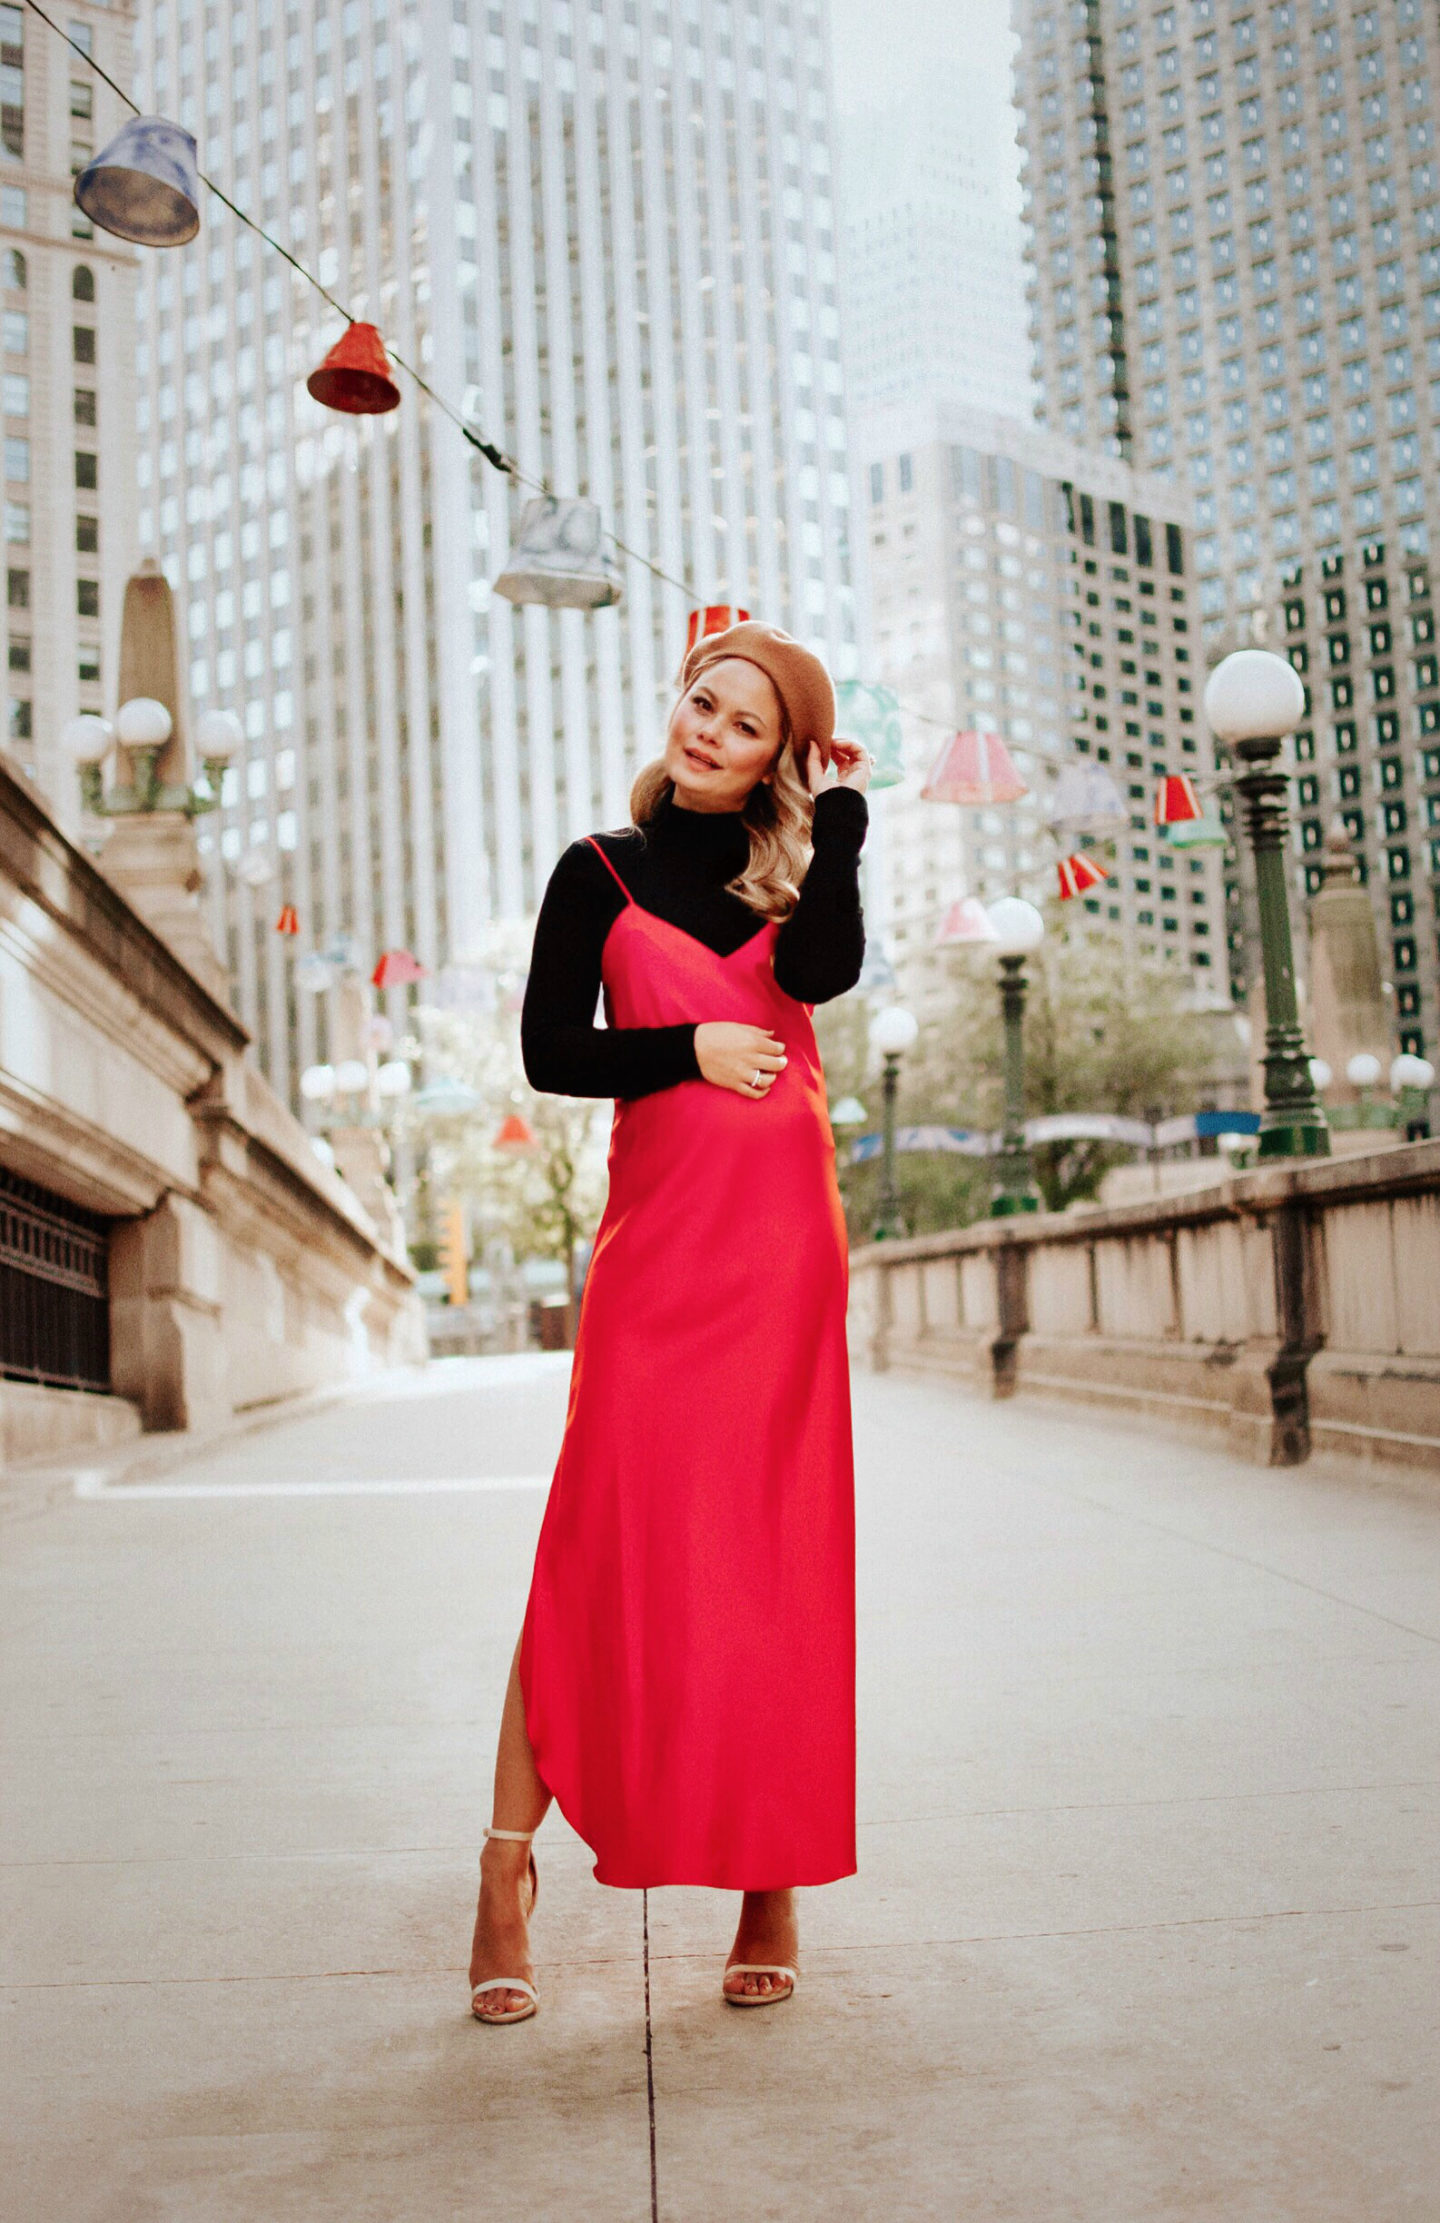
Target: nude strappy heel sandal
758,1998
511,1983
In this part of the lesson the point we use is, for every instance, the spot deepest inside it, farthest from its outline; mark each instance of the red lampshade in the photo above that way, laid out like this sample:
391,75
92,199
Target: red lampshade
1078,873
966,921
1176,800
513,1133
288,921
397,969
716,617
973,768
355,375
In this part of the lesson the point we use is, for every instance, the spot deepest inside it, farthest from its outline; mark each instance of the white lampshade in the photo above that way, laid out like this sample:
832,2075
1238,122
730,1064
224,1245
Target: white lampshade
893,1030
86,739
317,1083
351,1074
849,1112
1320,1073
393,1077
256,868
1253,695
1363,1070
218,735
1408,1071
1018,925
143,723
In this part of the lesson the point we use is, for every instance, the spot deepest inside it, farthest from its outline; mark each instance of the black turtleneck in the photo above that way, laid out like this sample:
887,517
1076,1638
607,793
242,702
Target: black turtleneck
677,867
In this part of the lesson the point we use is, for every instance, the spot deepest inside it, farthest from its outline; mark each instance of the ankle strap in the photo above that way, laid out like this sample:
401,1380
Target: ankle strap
512,1836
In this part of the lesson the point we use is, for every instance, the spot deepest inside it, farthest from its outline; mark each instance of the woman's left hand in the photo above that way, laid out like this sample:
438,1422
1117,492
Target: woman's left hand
850,766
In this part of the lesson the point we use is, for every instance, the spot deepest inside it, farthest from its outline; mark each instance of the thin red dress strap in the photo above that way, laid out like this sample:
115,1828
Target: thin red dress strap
594,844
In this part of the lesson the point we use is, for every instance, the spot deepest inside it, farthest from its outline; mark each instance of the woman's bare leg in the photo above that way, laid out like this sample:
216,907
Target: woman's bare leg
502,1920
769,1931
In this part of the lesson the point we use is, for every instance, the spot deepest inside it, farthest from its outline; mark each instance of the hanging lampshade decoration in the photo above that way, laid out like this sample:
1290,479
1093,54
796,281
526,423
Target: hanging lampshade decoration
1204,832
514,1133
144,185
871,715
355,375
557,558
1078,873
288,921
1085,800
974,768
1176,799
397,969
314,974
716,617
966,921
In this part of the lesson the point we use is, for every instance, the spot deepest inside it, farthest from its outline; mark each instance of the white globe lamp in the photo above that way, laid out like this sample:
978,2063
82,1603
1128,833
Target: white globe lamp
86,740
317,1083
392,1078
218,736
1320,1073
351,1075
1363,1070
143,723
1019,927
1253,695
1408,1071
893,1030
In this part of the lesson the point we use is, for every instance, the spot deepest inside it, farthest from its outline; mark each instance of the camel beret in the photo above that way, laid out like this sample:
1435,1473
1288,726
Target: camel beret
798,677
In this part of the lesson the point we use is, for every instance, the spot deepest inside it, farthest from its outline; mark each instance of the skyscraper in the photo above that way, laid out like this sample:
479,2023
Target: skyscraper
1041,592
68,387
932,252
605,231
1235,244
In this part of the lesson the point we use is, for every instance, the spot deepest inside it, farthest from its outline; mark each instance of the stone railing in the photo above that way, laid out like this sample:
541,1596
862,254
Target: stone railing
1292,1308
241,1270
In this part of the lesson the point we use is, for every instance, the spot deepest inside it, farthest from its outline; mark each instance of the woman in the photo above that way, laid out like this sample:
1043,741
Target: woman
684,1681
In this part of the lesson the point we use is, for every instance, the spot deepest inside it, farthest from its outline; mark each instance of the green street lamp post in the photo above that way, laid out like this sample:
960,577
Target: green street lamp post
891,1033
1019,928
1252,700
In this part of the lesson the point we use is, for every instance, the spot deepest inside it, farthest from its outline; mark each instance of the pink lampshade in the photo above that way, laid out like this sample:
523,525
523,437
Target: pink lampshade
397,969
966,921
1078,873
973,768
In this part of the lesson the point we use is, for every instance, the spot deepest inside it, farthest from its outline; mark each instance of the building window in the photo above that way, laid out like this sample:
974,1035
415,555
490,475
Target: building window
18,721
82,284
19,653
16,392
87,536
87,471
17,589
17,459
17,523
12,82
84,405
87,597
83,343
907,474
12,269
877,483
87,667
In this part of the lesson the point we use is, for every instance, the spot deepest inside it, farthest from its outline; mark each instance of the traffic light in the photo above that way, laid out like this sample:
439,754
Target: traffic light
454,1251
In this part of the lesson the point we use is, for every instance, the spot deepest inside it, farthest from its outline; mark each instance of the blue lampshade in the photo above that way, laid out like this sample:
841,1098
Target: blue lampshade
145,184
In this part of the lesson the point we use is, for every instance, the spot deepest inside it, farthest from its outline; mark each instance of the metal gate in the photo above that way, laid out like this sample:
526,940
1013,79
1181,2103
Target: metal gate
54,1303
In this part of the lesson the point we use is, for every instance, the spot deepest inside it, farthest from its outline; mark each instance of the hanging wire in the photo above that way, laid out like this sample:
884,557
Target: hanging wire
493,455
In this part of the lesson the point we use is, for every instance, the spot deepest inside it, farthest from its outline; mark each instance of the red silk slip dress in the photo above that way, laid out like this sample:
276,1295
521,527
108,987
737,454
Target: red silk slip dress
688,1656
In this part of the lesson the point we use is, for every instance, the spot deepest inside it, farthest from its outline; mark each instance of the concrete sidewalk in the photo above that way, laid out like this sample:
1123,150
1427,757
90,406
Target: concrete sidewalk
1146,1920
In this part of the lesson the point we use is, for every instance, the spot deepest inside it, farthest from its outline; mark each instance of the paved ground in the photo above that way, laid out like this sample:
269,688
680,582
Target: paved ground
1145,1927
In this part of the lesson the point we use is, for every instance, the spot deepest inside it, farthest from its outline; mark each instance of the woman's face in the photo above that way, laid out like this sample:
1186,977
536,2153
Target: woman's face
725,734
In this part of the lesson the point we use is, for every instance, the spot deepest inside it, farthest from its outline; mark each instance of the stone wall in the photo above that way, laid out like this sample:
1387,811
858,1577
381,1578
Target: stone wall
242,1270
1289,1309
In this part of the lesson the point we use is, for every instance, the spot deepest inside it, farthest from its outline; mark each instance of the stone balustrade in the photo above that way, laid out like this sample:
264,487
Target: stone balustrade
241,1271
1292,1308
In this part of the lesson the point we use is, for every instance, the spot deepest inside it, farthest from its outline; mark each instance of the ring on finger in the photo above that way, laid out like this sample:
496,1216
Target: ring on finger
756,1082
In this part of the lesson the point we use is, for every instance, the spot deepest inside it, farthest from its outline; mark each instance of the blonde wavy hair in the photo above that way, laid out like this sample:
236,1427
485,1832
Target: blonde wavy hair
778,816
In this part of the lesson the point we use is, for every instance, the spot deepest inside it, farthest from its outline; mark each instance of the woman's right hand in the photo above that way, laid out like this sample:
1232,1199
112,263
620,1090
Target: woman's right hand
746,1059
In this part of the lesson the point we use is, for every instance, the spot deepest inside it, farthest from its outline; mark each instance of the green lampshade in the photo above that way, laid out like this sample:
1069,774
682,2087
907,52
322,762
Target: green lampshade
1197,833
